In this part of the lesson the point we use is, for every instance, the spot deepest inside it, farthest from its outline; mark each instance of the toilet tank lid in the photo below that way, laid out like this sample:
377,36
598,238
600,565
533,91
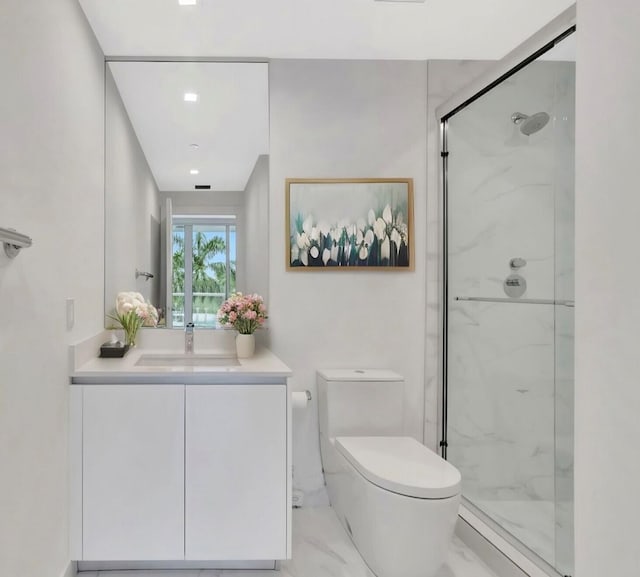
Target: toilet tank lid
359,375
402,465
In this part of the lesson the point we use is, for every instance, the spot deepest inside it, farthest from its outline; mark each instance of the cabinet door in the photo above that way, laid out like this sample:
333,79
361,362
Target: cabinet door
236,472
133,472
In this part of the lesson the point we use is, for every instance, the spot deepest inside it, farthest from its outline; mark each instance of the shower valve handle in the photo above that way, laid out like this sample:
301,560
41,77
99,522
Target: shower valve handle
517,263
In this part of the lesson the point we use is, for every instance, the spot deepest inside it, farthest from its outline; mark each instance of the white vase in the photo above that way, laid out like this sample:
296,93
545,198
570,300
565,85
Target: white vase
245,346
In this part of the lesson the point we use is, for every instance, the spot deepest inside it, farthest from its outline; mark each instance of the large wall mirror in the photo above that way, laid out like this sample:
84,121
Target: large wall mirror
186,184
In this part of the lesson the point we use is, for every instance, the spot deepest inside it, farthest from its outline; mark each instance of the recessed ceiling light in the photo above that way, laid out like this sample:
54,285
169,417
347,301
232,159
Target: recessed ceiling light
190,97
194,171
187,2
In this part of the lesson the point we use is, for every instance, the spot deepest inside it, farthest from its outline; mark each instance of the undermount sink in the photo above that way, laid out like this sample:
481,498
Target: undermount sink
184,360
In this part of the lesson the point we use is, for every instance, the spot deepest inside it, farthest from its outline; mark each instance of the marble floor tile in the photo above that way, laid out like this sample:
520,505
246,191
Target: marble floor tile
321,548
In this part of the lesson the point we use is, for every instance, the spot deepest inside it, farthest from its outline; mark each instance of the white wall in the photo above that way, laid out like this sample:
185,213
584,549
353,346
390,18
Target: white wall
132,207
51,187
346,119
607,472
256,229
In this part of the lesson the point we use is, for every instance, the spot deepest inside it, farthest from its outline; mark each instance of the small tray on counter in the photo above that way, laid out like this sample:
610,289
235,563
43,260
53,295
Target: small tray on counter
113,350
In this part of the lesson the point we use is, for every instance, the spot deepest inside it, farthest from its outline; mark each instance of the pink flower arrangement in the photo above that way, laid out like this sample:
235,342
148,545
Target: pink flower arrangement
245,313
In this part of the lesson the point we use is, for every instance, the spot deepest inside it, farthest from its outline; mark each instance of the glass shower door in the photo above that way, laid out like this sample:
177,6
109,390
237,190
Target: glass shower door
509,306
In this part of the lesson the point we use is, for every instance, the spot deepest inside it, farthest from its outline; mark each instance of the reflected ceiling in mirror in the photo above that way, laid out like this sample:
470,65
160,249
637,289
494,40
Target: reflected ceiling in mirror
219,135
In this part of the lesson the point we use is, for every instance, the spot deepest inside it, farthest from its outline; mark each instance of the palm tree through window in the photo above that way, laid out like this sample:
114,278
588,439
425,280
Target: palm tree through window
204,268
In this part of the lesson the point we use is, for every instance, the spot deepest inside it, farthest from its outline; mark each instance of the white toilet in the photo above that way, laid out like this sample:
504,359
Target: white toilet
397,499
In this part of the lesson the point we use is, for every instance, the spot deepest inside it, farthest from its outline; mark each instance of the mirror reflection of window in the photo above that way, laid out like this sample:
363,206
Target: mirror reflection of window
204,268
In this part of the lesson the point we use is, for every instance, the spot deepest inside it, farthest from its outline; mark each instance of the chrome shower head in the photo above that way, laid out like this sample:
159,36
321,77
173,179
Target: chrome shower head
530,124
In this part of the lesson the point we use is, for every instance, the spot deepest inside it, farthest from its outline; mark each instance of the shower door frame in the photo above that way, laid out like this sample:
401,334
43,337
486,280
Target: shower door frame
544,40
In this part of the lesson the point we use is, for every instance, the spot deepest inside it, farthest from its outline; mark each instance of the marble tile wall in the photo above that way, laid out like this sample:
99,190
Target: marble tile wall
564,329
445,78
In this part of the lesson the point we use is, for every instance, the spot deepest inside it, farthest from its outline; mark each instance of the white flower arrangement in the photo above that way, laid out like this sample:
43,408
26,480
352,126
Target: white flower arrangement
132,311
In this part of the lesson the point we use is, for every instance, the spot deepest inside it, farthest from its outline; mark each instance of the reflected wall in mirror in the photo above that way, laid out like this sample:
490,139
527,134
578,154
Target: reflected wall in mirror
186,184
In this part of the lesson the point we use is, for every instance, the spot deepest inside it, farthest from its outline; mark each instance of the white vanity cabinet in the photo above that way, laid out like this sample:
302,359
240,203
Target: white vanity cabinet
132,472
235,475
180,473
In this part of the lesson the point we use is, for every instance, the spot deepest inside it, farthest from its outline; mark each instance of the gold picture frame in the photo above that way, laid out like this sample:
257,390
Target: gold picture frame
349,224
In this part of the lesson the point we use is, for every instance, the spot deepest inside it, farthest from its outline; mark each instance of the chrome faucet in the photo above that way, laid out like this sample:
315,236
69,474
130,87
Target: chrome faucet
188,339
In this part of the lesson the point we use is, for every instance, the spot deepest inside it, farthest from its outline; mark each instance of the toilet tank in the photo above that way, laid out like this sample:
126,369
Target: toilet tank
360,402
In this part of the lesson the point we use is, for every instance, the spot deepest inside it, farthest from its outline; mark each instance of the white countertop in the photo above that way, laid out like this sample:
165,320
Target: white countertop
263,367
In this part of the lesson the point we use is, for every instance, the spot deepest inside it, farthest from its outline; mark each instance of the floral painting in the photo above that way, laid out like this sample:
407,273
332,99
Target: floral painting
350,224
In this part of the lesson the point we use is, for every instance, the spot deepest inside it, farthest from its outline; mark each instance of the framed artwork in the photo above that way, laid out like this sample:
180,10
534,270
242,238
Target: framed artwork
349,224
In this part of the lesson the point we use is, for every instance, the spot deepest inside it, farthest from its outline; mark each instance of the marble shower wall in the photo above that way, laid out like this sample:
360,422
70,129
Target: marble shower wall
510,365
445,78
564,327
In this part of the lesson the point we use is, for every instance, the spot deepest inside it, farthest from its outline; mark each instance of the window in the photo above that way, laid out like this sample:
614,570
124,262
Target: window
203,268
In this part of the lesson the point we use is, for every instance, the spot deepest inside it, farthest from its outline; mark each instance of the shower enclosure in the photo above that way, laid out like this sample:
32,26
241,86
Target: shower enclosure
508,166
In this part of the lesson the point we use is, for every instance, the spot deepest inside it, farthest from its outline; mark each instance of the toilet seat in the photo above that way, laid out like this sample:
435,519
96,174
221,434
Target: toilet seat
401,465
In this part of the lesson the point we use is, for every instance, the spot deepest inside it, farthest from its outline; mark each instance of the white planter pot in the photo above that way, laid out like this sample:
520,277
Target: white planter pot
245,346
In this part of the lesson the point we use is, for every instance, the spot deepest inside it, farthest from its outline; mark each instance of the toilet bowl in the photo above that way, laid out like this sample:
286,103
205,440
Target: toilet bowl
397,499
